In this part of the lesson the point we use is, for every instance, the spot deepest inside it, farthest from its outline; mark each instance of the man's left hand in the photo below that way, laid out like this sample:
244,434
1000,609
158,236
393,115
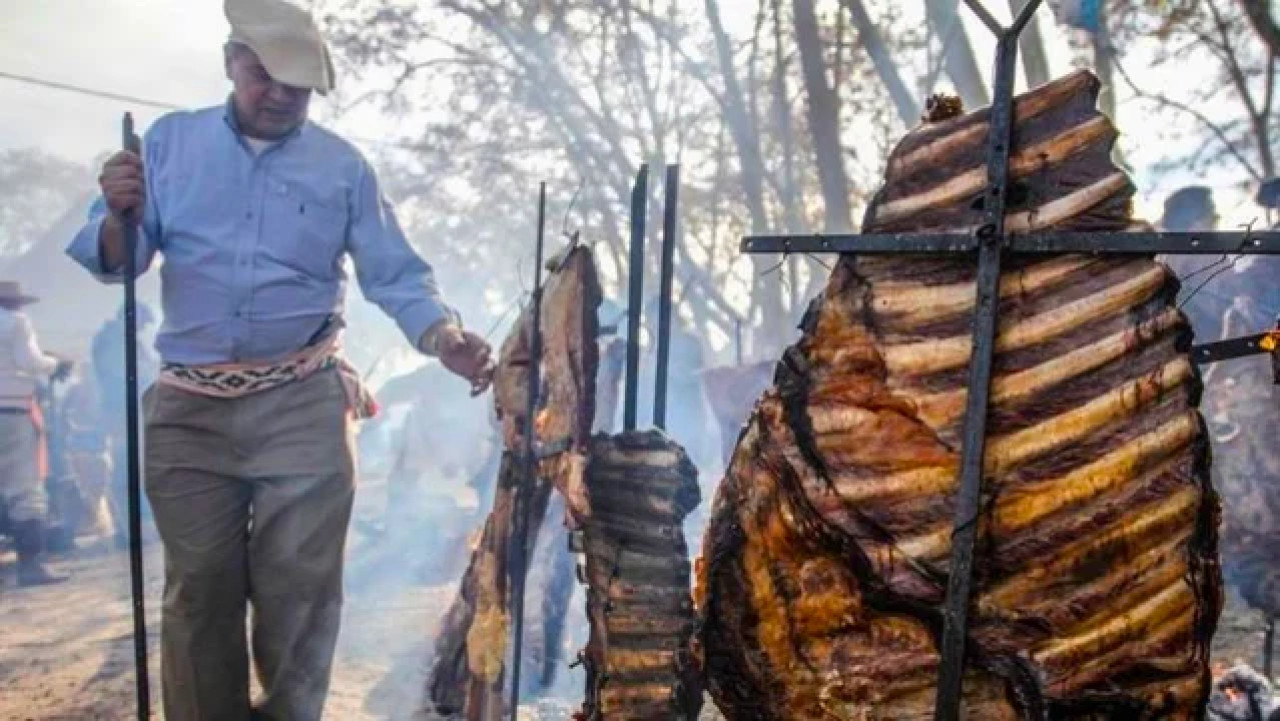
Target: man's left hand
63,370
467,355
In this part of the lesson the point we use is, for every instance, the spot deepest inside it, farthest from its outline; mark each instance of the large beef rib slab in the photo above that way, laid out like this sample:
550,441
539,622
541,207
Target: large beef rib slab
1096,581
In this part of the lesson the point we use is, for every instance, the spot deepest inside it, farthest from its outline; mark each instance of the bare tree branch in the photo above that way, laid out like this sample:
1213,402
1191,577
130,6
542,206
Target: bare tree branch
1166,102
886,68
1264,24
1258,120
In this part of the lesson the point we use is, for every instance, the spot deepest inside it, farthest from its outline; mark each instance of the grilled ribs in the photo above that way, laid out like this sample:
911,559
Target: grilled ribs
1096,580
638,661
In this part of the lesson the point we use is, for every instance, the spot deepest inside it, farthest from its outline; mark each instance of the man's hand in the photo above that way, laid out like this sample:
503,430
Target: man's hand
467,355
123,184
63,370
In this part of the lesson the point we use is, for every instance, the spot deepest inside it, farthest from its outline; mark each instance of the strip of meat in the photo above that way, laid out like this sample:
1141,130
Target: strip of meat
638,658
468,673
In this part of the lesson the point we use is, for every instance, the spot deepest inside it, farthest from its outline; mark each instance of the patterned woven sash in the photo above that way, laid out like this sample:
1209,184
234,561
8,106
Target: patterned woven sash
237,380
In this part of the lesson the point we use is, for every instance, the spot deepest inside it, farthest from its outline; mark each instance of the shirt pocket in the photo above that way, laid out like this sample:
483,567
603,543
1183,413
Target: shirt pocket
305,231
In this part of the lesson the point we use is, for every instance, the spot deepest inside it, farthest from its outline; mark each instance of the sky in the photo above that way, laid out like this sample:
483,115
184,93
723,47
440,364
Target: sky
170,50
167,50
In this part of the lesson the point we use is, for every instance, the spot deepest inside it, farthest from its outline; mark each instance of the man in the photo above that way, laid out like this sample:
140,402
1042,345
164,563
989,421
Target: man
108,367
23,464
1213,285
249,430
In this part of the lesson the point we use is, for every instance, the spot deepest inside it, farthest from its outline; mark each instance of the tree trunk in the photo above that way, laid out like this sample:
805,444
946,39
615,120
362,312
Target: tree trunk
824,119
903,99
766,288
962,66
782,116
1259,113
1264,23
1104,64
1035,60
745,134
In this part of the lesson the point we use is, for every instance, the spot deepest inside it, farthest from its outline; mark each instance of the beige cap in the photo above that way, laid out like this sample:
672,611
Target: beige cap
286,39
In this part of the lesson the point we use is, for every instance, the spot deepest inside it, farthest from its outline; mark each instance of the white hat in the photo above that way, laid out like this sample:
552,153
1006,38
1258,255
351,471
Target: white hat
286,39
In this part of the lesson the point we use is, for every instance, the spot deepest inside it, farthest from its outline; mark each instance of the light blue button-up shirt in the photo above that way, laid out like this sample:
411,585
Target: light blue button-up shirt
254,243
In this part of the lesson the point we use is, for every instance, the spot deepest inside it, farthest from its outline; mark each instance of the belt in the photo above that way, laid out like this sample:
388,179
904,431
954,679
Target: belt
236,380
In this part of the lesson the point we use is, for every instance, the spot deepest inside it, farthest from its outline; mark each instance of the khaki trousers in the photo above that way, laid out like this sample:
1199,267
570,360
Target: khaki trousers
251,497
22,492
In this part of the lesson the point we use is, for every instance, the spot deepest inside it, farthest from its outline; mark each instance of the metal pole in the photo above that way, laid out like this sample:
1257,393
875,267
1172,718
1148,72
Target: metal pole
635,303
969,498
1268,643
130,142
671,201
737,341
518,551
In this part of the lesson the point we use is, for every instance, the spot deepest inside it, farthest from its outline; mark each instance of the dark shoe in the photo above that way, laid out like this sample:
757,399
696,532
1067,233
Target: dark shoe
35,574
28,537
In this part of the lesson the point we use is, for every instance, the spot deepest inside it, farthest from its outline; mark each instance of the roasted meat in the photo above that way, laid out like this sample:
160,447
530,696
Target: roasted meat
638,660
468,673
1096,580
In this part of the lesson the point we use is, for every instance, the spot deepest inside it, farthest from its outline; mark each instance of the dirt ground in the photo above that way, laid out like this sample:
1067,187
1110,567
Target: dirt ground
66,651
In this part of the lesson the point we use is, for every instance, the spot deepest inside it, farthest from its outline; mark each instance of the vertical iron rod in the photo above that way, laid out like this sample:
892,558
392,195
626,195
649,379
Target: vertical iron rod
968,500
671,200
985,16
737,341
130,142
1268,643
1024,16
518,552
635,302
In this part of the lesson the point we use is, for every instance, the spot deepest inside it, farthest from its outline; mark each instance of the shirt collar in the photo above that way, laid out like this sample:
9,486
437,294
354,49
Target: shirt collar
229,117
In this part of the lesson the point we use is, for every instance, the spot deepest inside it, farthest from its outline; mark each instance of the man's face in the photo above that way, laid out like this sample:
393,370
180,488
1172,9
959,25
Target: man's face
265,108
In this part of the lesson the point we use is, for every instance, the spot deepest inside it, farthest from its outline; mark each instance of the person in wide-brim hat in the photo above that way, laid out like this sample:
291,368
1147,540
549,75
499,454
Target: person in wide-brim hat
11,295
23,453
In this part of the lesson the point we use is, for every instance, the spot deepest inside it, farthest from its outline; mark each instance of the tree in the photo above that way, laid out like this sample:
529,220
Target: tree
1232,113
38,188
824,118
1264,22
1035,59
581,93
957,51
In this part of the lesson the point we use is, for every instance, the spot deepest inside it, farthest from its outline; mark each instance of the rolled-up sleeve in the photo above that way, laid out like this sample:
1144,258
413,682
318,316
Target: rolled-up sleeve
390,273
27,355
86,247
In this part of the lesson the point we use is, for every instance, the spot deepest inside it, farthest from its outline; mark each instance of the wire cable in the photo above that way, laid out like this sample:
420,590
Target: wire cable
160,104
